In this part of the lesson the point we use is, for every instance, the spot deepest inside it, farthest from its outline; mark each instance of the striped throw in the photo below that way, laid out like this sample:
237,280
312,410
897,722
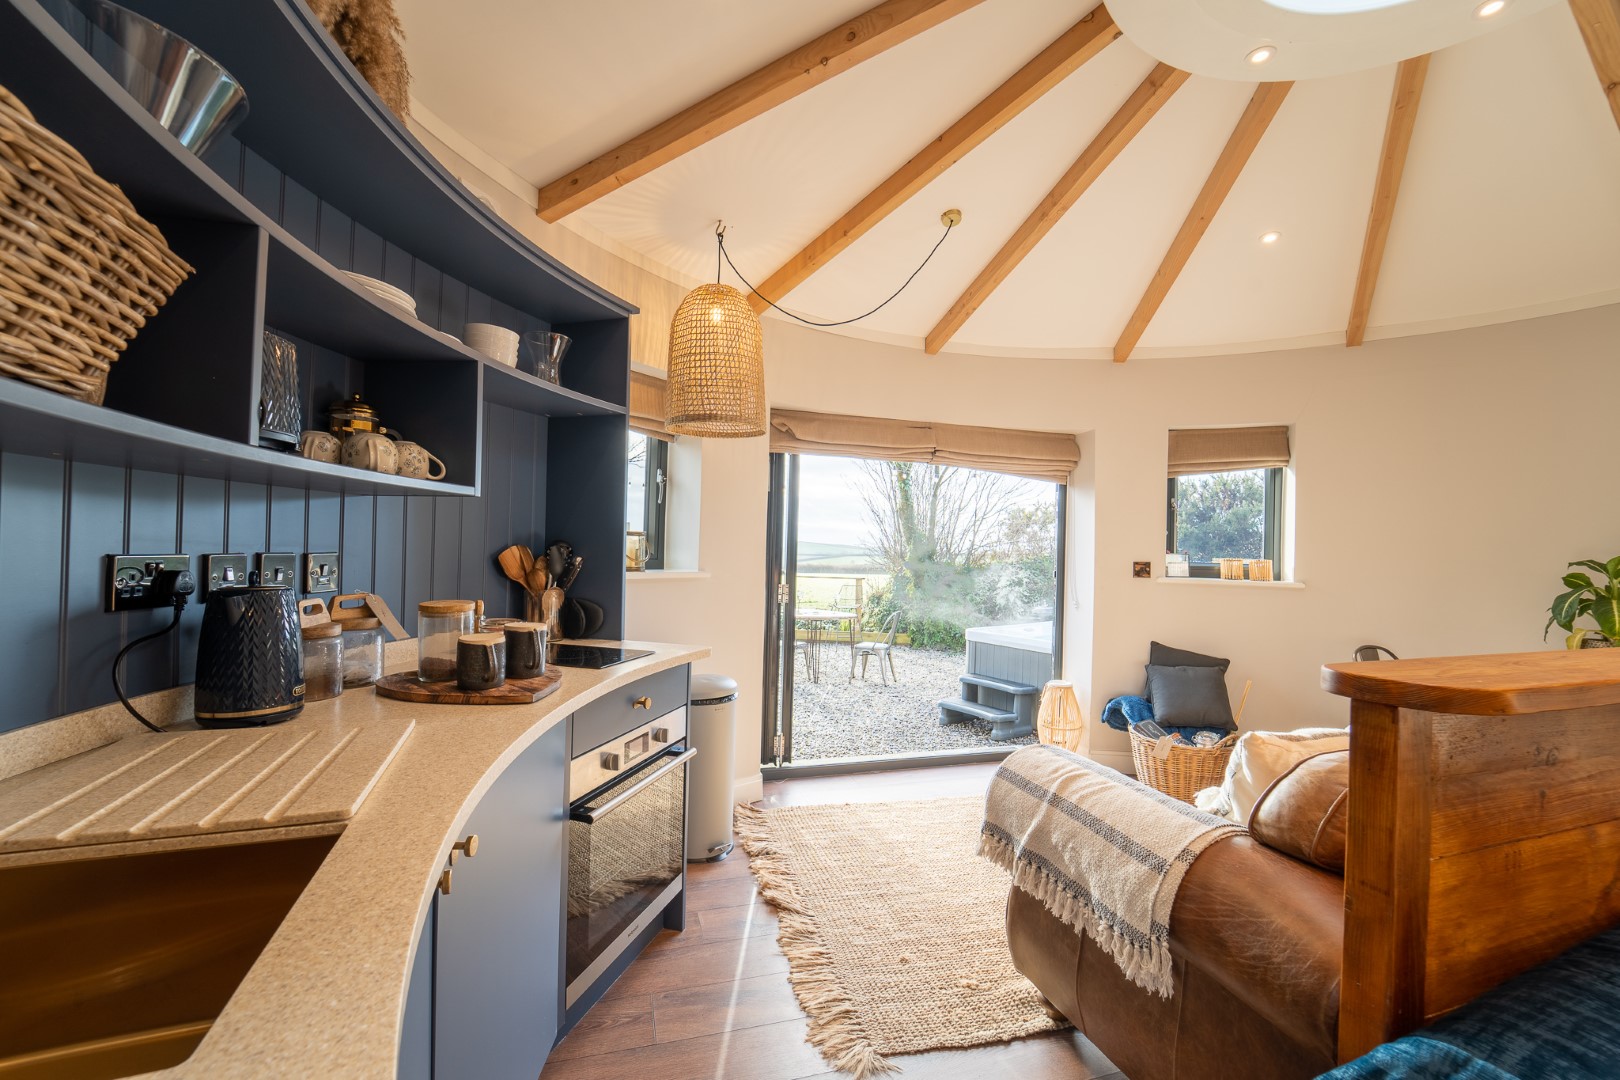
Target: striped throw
1103,853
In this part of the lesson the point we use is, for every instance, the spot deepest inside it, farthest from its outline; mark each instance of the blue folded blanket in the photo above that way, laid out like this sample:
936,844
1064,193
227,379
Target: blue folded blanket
1127,710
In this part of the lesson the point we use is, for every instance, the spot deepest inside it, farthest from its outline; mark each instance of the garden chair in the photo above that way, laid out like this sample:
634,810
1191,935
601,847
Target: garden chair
883,650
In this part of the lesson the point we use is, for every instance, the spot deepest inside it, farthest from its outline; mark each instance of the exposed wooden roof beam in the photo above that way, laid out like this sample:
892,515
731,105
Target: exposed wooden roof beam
1132,117
1055,63
1599,21
789,75
1403,109
1263,106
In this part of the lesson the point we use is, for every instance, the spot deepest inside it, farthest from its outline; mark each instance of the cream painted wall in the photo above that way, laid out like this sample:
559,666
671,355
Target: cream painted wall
1439,496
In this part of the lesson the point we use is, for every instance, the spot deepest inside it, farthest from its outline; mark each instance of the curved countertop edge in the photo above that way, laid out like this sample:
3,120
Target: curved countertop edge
1503,684
327,996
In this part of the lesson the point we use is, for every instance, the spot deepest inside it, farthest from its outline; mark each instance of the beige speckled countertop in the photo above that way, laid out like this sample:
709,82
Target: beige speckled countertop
327,995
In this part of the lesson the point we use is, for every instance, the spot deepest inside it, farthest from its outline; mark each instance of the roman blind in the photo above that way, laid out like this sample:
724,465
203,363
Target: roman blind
1205,450
647,413
1037,455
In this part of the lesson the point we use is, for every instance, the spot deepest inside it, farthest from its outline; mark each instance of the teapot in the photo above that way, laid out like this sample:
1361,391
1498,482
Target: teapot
352,416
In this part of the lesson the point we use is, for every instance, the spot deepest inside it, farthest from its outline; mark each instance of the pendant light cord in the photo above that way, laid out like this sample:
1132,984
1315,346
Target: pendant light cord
720,234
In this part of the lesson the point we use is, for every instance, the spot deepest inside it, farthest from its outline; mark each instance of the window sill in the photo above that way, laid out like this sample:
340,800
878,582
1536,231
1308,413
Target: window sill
665,575
1228,583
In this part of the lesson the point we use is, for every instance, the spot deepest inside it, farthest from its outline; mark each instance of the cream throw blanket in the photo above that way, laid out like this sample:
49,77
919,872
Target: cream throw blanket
1103,852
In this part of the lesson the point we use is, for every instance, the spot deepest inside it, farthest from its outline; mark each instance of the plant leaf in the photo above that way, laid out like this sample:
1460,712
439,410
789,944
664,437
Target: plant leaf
1568,607
1578,581
1605,611
1574,640
1592,564
1613,569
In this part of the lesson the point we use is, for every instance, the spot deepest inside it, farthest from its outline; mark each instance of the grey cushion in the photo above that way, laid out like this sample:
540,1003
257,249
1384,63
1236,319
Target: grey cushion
1187,696
1165,656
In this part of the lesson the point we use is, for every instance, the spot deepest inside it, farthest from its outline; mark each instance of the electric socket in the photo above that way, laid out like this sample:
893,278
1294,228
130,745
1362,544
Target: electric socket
277,568
130,579
321,572
223,571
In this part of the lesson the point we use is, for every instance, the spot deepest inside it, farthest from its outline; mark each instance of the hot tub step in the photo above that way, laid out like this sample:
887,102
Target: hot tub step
1003,725
989,682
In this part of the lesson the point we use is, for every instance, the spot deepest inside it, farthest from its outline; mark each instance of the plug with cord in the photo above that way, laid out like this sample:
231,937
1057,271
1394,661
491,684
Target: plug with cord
173,587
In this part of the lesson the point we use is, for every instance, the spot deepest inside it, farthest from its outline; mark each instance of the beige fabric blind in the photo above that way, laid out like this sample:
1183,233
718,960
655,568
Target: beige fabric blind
1203,450
1038,455
647,406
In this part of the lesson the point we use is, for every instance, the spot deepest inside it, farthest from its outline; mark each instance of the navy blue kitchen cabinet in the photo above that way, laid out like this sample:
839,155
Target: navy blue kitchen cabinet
493,942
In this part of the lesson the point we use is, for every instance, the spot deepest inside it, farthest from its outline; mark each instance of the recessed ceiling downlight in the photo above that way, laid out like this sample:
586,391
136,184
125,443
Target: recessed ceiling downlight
1270,236
1489,8
1266,52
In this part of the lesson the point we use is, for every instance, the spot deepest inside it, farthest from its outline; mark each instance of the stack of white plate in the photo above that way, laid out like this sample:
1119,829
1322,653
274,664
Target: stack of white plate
385,292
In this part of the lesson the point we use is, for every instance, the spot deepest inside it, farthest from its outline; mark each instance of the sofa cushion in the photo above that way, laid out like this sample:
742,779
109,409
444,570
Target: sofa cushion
1189,696
1258,759
1305,811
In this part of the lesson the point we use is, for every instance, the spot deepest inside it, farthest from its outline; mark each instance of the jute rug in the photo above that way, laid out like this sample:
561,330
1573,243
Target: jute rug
893,927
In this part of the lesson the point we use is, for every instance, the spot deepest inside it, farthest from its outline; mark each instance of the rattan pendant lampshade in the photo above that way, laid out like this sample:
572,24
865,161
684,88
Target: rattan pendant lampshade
716,385
1061,721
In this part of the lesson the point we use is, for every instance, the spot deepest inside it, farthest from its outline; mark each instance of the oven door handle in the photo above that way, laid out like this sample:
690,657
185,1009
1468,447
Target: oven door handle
591,817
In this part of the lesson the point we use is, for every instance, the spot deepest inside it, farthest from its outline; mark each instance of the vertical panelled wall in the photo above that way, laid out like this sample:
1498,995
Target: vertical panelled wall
59,519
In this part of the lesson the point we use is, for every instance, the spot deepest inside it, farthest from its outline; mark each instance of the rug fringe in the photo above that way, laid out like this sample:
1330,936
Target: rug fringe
835,1028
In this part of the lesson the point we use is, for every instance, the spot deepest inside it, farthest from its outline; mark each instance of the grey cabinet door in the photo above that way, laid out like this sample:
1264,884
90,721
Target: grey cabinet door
496,957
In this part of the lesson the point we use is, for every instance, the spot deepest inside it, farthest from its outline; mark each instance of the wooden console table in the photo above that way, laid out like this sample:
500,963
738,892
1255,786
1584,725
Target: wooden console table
1484,831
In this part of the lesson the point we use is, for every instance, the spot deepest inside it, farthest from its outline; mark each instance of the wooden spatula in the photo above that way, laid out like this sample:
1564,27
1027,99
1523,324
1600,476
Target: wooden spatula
511,562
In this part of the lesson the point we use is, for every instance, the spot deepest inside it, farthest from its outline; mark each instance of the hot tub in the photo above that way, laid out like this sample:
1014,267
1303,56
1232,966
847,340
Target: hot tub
1017,653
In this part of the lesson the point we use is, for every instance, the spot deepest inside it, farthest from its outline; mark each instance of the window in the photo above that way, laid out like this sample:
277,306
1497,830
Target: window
1225,495
646,493
1235,515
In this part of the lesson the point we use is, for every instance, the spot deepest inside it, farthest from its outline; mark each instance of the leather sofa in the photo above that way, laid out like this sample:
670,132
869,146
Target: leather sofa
1256,936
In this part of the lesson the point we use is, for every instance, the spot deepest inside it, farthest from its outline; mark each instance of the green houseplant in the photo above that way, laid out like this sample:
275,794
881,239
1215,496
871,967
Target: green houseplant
1587,597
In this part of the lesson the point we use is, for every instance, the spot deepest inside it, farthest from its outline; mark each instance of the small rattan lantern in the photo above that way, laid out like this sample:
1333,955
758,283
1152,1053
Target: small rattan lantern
1061,722
716,385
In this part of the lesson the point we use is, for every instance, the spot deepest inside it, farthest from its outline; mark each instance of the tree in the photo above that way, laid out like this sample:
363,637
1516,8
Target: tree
922,513
1221,515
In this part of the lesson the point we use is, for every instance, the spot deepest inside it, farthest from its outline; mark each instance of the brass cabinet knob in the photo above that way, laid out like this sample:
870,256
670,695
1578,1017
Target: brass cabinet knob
444,881
468,847
642,703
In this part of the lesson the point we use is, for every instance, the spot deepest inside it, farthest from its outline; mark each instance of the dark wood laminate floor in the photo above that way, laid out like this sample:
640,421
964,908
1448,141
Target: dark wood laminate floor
714,1003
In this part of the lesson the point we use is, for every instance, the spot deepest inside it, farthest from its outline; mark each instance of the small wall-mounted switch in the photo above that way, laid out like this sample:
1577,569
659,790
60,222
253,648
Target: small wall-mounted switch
131,580
277,568
223,571
320,572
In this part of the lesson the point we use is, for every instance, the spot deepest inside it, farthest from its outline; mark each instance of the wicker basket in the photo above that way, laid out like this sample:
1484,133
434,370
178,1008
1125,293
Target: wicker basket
1187,770
80,270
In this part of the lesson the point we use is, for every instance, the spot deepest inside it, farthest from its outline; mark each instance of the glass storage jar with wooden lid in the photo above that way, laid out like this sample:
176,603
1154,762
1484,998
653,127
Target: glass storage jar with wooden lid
439,625
362,651
323,661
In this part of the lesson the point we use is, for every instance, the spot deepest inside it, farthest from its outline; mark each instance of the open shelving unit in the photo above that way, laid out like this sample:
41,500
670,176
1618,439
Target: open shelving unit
186,391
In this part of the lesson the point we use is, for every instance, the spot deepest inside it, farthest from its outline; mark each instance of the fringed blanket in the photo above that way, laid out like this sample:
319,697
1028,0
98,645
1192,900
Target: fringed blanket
1103,852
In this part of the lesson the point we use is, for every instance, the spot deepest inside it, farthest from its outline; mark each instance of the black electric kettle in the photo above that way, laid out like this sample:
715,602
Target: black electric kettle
250,664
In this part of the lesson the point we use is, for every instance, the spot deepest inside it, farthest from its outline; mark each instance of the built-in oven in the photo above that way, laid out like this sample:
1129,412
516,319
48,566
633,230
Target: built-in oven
626,842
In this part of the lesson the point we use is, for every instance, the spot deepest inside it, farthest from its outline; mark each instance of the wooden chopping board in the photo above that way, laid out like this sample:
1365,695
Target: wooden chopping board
405,686
183,783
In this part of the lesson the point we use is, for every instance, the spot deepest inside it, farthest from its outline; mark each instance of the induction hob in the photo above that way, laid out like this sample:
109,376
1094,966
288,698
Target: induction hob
592,656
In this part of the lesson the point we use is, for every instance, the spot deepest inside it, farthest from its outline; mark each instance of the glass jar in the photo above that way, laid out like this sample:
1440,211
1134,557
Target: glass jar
439,625
362,651
323,661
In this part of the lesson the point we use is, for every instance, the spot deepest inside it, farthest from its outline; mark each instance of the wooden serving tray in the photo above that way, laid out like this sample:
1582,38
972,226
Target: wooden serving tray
404,686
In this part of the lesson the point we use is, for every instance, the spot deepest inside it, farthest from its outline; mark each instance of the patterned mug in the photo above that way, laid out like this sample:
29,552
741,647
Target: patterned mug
415,460
320,446
370,450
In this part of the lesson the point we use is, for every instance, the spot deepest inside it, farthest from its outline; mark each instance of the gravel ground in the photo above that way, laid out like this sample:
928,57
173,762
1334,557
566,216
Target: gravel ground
837,718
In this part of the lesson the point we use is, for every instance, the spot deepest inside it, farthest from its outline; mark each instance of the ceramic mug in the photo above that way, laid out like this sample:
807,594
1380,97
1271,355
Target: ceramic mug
480,661
320,446
369,450
496,342
415,460
525,650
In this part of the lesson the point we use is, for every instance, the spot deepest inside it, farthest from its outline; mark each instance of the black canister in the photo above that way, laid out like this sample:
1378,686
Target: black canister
250,668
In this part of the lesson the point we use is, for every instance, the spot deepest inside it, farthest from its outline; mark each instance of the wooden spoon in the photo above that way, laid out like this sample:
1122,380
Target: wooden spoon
536,581
528,558
511,562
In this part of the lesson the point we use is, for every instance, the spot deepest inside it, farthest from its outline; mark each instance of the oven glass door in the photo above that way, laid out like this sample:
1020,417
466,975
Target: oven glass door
625,846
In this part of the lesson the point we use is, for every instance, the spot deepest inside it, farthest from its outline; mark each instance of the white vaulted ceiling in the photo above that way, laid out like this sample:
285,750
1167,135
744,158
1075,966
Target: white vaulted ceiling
1510,205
